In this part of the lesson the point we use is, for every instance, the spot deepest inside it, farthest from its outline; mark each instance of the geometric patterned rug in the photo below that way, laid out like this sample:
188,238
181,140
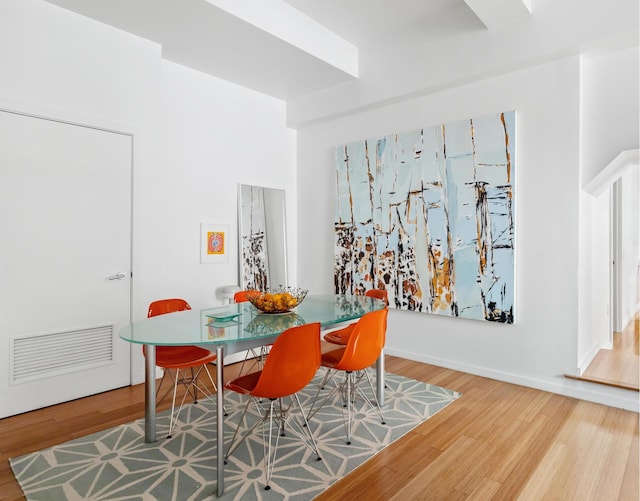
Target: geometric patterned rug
116,464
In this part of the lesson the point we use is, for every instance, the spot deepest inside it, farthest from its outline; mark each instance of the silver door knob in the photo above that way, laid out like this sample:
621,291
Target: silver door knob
118,276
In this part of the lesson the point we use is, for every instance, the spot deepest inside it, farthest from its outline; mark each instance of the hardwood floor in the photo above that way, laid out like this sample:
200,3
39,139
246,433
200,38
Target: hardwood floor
619,366
498,441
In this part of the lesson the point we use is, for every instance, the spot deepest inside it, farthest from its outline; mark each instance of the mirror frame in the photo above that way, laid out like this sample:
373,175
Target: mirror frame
262,228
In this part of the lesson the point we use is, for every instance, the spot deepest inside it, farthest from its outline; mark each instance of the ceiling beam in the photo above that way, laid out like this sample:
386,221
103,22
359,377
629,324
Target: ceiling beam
494,13
290,25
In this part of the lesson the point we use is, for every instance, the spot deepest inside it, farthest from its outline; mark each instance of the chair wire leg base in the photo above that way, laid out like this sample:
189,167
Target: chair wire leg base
255,358
277,415
347,389
192,388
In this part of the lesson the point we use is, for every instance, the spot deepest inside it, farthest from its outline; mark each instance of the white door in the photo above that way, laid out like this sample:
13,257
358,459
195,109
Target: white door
65,254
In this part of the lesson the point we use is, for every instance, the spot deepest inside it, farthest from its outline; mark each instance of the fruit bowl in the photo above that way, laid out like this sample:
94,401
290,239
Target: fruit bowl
278,300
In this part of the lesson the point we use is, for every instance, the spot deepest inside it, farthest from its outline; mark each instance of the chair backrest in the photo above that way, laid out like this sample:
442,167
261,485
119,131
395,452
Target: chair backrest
243,296
378,294
163,306
292,362
365,342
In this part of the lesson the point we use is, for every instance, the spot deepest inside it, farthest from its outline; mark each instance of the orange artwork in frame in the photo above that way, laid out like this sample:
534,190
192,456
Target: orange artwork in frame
214,243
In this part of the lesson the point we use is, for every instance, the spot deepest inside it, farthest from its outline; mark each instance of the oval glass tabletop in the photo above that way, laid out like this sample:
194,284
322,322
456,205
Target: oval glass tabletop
237,322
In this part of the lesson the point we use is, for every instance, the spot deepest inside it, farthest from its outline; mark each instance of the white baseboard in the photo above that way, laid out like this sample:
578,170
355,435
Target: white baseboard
586,361
234,358
583,390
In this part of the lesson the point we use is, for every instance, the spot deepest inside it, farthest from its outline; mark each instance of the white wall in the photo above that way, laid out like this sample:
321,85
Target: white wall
610,124
213,136
630,265
61,63
195,138
543,343
611,100
594,313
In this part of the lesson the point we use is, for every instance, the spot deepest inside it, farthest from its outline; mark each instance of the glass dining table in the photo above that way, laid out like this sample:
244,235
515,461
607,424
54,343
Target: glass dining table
234,328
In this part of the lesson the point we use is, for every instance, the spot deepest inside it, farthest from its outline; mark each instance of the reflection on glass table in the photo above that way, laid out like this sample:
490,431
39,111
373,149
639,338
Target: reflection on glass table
262,325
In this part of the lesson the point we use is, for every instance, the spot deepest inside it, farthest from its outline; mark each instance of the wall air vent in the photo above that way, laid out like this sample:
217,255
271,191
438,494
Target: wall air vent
41,356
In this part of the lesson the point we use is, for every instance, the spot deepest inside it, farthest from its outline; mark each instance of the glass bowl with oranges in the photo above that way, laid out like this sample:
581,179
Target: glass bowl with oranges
278,300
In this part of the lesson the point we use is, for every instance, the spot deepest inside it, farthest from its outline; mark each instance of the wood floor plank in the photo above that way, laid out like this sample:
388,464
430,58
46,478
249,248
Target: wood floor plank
619,366
537,486
631,480
486,489
611,485
498,442
530,457
522,438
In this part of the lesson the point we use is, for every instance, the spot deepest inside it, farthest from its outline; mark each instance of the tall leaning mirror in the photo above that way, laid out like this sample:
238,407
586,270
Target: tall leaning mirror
263,237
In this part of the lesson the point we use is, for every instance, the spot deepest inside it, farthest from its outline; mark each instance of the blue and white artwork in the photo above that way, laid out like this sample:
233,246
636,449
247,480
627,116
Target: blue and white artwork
428,216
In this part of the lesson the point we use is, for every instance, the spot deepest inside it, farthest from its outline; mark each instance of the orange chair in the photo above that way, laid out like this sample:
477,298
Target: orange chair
258,358
180,358
291,364
243,296
341,336
364,346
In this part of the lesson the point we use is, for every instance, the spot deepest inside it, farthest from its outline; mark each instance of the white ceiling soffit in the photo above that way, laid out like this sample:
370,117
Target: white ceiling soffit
494,13
261,54
380,24
296,28
292,48
627,159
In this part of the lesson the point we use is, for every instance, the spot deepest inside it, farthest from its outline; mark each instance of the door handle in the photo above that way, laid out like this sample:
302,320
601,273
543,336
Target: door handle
118,276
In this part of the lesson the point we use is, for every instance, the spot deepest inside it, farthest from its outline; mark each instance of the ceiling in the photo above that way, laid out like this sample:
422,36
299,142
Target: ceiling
290,48
371,23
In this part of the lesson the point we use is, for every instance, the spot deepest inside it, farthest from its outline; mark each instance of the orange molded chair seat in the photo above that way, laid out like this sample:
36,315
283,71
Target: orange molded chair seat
243,296
341,336
163,306
290,365
363,348
181,358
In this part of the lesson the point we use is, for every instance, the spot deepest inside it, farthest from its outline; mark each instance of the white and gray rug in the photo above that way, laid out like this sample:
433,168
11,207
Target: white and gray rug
116,464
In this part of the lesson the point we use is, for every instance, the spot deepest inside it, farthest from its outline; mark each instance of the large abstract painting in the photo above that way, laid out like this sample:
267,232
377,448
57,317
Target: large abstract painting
428,216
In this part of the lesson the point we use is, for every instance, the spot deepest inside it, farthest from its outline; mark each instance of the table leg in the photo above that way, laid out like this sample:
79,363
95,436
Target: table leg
380,378
220,423
150,393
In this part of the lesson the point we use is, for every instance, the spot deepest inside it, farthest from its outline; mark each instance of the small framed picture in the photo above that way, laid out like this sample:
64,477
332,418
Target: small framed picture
214,243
